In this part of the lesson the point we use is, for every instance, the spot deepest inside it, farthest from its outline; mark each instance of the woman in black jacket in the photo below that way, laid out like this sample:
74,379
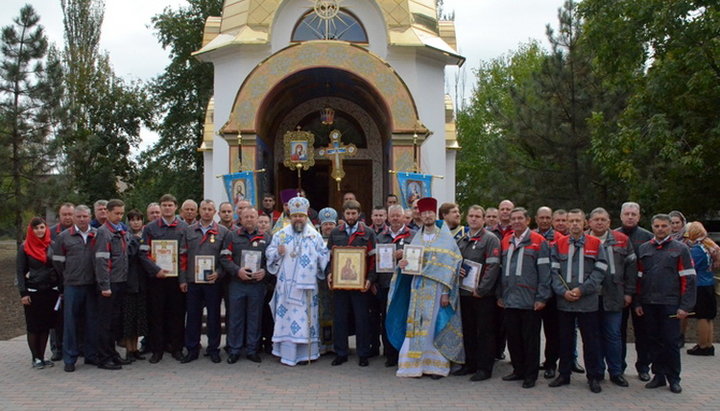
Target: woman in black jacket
38,284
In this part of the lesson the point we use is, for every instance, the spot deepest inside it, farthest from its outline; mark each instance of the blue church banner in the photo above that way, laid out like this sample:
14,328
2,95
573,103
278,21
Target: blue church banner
240,186
413,186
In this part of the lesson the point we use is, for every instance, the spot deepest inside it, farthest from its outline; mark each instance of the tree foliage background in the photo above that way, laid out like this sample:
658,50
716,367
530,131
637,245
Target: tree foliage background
622,106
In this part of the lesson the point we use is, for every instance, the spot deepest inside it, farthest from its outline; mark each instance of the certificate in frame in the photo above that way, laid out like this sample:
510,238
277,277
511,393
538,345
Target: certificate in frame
251,259
385,258
414,256
165,254
472,275
204,267
349,268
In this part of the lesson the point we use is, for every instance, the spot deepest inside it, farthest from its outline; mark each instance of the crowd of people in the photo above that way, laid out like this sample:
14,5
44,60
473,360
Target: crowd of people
104,278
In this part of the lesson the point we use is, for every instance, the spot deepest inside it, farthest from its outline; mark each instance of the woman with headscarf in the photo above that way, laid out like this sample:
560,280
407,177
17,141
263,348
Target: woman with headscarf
38,284
702,250
677,225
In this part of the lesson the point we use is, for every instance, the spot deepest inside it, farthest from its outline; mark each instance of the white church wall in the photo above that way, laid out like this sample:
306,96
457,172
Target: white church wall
425,79
231,69
367,11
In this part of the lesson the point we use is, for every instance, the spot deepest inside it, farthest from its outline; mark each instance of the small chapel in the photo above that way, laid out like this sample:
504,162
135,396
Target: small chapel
366,75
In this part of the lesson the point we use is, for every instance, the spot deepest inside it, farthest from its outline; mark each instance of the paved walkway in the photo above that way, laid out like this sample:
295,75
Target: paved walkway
270,385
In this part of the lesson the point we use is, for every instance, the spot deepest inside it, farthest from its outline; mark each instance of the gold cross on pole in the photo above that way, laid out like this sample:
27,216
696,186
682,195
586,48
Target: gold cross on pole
336,151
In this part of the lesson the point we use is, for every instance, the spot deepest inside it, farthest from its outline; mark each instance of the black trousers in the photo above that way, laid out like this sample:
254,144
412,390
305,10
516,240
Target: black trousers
549,316
478,323
588,322
522,328
642,364
376,318
166,315
663,335
391,353
110,322
500,336
346,301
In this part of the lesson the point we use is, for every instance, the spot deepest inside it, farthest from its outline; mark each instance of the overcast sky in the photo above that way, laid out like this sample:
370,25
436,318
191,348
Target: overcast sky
485,29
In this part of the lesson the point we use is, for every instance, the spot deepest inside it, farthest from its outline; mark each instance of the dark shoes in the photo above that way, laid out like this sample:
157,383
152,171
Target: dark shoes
233,358
528,383
57,356
594,385
137,355
512,377
363,362
90,361
549,373
559,381
254,358
109,366
390,363
464,370
480,376
69,367
215,357
435,376
644,376
155,358
707,352
577,368
339,360
656,382
178,355
675,387
188,358
619,380
121,361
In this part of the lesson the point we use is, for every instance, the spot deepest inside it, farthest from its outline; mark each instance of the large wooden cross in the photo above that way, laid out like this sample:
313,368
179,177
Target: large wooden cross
336,151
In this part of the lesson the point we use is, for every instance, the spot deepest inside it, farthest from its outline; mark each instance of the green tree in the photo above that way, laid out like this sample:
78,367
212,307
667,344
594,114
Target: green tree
483,128
26,97
101,114
665,145
181,93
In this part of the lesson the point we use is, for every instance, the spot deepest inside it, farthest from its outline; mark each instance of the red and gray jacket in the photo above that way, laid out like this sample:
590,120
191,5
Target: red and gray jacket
621,277
582,264
525,275
111,256
233,246
158,230
666,274
403,238
73,257
195,243
482,248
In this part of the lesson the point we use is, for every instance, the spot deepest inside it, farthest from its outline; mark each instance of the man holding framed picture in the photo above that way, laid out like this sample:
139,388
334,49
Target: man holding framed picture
427,346
481,249
347,299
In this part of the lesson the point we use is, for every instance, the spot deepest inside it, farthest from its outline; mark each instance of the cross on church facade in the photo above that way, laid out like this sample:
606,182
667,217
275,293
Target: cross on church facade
336,151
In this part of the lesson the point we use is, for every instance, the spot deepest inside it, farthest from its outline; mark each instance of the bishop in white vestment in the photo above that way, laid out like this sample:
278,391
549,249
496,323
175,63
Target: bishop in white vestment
297,256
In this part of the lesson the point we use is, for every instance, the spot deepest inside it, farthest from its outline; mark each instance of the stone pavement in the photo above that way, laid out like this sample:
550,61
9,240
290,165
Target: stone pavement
270,385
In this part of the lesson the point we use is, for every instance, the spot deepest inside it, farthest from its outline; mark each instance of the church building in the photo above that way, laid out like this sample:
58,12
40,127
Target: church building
371,72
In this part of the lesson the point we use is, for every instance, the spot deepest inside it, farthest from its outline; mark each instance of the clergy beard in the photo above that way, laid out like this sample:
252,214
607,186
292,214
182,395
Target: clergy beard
298,226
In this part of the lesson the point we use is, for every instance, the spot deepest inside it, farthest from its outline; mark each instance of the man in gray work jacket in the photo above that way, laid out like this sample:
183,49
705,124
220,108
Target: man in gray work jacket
523,292
111,269
617,291
73,259
200,279
666,294
579,265
478,307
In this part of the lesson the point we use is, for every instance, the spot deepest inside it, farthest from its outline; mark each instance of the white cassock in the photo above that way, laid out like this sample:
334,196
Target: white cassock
295,302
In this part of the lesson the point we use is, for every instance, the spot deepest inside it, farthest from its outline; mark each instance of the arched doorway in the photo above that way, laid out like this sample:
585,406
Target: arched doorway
361,117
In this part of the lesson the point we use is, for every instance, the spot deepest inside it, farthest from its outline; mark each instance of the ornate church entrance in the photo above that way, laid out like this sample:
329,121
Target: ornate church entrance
322,100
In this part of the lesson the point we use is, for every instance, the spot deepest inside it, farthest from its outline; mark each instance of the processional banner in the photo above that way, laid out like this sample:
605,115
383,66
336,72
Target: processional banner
240,186
413,186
